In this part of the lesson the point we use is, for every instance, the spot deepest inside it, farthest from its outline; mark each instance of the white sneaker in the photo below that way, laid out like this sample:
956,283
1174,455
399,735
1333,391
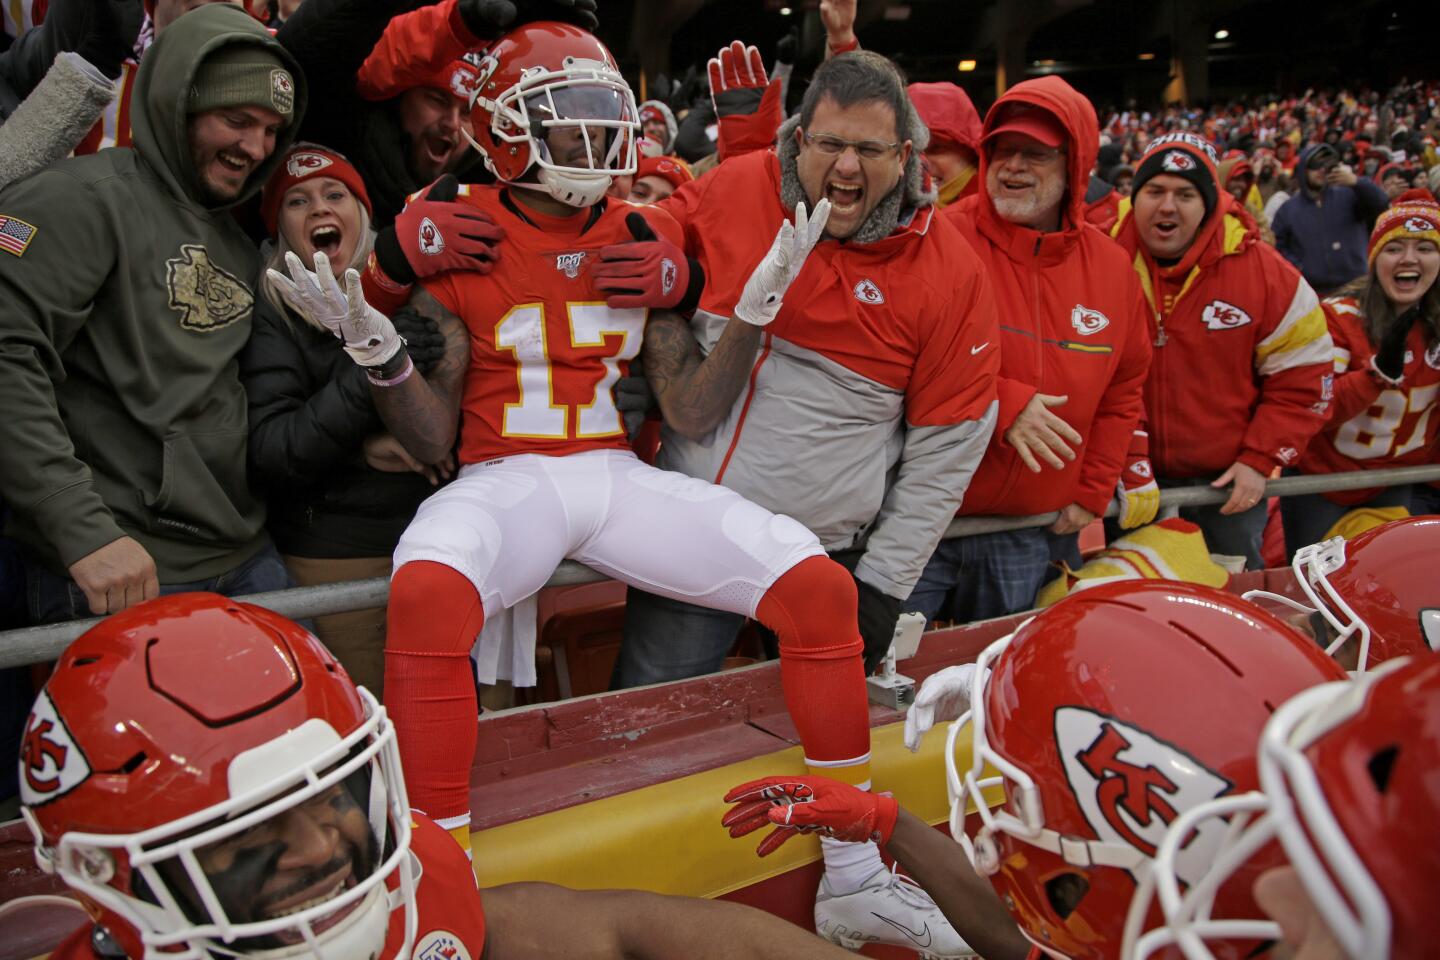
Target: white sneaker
889,909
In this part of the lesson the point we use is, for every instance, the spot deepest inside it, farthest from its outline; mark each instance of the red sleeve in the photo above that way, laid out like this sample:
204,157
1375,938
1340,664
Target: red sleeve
1355,388
413,47
682,204
955,373
1112,431
1013,395
1292,406
743,133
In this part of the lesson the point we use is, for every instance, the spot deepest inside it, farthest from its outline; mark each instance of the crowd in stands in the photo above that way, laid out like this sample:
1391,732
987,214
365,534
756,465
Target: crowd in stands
827,331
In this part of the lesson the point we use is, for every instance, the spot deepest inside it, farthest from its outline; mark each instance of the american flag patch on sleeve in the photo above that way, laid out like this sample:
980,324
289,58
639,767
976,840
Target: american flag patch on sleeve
15,235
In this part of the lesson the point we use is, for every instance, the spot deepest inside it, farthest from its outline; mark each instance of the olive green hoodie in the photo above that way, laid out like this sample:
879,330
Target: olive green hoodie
120,322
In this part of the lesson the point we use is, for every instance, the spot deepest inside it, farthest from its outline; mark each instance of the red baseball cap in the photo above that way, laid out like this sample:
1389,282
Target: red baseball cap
1033,122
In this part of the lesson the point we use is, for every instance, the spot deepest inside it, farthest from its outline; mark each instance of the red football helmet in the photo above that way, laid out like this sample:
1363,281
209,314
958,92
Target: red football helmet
545,78
1380,588
1107,716
172,733
1350,786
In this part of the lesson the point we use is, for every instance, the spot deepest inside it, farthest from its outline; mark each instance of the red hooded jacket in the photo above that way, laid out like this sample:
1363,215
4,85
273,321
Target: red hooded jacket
1072,323
1242,358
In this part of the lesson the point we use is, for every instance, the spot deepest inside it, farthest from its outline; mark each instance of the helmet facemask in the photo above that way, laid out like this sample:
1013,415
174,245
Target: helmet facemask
1333,621
192,887
1290,809
591,101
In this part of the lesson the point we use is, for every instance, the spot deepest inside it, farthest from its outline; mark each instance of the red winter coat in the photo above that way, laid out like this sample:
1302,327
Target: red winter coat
1072,322
1242,356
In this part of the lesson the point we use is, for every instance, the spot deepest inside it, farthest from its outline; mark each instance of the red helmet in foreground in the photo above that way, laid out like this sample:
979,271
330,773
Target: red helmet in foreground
167,750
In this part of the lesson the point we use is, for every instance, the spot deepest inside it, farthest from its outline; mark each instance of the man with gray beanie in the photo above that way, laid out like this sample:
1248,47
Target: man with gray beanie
859,401
128,294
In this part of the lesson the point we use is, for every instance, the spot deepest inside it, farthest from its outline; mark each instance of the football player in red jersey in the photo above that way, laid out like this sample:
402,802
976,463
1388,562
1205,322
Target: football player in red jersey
1107,717
259,810
546,470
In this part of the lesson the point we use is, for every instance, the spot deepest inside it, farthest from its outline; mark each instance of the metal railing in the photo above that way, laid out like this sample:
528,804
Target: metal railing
38,644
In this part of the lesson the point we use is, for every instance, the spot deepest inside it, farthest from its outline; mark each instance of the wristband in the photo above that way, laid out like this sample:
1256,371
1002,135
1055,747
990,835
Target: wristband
853,44
391,373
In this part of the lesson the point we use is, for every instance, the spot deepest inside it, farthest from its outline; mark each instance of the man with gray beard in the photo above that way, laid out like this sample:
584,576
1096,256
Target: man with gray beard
1073,359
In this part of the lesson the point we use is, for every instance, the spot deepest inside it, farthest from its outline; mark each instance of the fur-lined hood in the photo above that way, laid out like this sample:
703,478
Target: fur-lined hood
913,192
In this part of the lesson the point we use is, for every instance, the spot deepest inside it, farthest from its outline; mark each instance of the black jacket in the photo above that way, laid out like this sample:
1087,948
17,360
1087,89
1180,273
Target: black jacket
331,39
310,411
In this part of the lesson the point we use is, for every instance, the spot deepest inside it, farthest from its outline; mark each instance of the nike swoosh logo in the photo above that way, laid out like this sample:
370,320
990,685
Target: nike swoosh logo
913,935
975,350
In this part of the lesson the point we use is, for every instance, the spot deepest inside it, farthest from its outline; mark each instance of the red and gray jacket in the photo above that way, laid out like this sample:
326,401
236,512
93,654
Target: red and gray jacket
1072,323
872,396
1243,359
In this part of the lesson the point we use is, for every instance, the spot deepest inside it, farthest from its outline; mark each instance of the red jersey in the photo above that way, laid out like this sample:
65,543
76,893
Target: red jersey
1374,425
451,919
545,350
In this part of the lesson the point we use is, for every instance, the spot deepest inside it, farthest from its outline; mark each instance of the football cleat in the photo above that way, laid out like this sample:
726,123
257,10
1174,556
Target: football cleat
889,909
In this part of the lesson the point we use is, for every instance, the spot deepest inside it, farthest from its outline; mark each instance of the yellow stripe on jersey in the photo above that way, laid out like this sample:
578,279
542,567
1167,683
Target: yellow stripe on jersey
667,837
1301,338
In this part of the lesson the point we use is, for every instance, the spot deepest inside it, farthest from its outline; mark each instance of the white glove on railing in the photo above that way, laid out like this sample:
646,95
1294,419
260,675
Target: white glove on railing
368,334
943,697
764,291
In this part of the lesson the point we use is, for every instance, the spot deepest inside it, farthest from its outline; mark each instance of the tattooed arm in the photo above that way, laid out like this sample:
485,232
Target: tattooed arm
423,411
696,392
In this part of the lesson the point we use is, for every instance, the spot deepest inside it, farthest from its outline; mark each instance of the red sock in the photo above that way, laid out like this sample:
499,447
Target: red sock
812,609
433,618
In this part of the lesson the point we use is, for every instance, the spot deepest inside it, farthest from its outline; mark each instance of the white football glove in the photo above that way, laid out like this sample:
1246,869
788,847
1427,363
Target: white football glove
764,291
368,334
943,697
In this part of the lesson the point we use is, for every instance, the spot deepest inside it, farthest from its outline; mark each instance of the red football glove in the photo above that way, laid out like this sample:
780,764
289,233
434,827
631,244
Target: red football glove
434,234
1137,491
809,805
650,272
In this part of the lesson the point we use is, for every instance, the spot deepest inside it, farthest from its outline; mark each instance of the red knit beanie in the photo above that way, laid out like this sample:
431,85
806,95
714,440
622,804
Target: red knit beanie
1406,221
666,168
307,160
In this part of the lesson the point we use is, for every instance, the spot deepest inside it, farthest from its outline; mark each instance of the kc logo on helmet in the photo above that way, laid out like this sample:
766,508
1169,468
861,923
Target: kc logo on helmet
51,765
303,163
867,292
1219,315
464,80
1131,786
1087,321
441,945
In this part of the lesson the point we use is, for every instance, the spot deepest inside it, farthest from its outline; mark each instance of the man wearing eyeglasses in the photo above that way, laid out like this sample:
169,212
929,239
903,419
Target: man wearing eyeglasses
1074,356
859,403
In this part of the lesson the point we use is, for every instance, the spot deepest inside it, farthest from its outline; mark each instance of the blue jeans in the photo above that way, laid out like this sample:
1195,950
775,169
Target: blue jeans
988,574
1308,518
669,639
53,598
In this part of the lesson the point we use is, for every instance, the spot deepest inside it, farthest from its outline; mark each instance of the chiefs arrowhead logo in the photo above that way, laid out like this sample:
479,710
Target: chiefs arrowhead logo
440,945
303,163
1131,786
1432,356
1087,321
1178,161
51,765
668,274
1219,315
431,241
867,292
465,80
207,297
1418,225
